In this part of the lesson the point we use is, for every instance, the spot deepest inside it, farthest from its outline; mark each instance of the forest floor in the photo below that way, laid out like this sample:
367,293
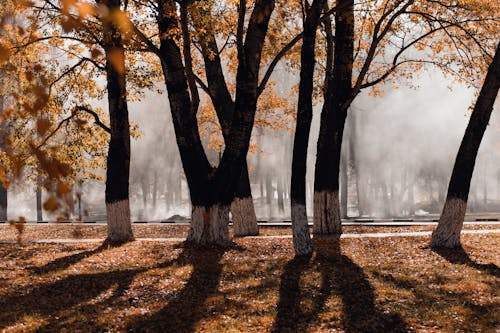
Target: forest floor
395,284
93,231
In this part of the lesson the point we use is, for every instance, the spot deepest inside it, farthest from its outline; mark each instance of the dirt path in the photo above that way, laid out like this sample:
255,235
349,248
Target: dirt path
180,239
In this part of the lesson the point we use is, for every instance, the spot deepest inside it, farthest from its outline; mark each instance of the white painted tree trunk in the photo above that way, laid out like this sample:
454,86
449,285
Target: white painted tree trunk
327,213
209,225
119,224
302,243
447,233
244,219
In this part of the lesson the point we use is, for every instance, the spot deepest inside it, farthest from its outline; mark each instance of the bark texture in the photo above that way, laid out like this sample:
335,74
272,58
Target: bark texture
39,211
242,207
212,188
118,160
3,202
326,213
244,219
3,189
301,239
338,82
447,233
302,243
119,227
209,225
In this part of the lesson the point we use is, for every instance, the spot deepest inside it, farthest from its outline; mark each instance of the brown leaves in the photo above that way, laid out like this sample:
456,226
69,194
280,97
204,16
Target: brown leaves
19,225
244,288
4,53
43,125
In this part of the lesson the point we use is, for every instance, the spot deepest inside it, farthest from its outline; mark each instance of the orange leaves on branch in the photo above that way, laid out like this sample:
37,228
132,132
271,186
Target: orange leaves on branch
85,9
121,21
95,53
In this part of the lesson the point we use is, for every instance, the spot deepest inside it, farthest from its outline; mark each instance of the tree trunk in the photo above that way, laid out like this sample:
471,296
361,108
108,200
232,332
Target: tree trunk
155,189
3,202
344,173
269,195
209,225
118,161
333,115
301,239
242,208
3,189
281,195
447,233
39,212
411,198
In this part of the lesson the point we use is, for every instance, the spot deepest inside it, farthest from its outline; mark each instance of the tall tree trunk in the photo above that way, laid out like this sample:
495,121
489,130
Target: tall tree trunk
3,189
301,239
280,191
344,182
269,195
118,161
447,233
209,218
242,207
211,190
333,115
155,189
39,211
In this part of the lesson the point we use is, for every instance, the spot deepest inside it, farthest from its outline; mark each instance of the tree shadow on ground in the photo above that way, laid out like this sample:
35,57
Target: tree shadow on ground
439,301
459,256
289,309
183,312
51,298
339,276
62,263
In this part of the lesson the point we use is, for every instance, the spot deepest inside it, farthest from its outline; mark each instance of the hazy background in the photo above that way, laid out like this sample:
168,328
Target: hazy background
405,140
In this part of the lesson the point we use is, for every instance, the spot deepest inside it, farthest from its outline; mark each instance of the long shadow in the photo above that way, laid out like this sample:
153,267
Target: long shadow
340,276
433,299
459,256
51,298
288,309
62,263
183,312
358,298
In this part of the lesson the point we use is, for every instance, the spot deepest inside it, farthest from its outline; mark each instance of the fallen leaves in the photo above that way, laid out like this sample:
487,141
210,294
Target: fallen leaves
359,284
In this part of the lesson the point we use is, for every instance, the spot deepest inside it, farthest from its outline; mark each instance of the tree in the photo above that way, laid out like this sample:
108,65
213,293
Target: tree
396,30
78,29
118,160
211,189
3,188
301,239
447,233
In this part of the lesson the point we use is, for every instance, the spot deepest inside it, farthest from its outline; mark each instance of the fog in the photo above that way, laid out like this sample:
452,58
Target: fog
403,147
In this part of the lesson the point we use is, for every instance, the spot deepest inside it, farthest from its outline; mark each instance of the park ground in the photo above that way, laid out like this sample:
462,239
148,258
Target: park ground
390,284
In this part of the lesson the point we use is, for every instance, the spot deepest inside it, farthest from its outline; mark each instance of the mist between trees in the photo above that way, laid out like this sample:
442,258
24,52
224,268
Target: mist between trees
405,139
212,91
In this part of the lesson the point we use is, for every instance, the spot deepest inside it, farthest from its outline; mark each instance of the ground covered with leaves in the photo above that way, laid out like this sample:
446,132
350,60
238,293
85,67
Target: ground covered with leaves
86,231
256,285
